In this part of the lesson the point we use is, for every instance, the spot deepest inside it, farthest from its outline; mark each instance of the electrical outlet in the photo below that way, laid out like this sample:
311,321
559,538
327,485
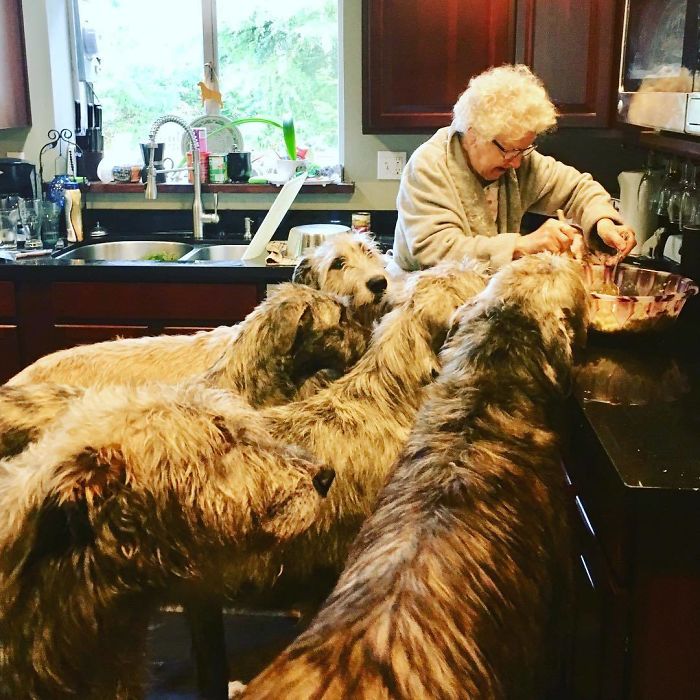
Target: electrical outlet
390,164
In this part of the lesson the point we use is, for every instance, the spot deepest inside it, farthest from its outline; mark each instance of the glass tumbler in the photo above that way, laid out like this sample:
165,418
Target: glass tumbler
31,212
8,229
50,223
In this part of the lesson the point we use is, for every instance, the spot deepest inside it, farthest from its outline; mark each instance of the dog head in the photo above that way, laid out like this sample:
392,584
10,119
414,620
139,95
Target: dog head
349,264
157,470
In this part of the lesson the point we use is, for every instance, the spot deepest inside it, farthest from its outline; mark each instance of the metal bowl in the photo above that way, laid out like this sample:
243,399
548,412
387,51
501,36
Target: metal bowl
648,300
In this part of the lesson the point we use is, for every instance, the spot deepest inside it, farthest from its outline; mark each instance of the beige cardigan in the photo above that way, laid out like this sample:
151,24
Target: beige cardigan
442,211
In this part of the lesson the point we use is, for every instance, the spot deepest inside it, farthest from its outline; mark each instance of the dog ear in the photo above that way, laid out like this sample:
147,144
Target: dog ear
304,273
93,476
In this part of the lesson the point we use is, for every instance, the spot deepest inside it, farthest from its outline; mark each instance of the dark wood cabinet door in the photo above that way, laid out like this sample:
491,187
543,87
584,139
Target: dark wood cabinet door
418,56
573,46
9,353
14,87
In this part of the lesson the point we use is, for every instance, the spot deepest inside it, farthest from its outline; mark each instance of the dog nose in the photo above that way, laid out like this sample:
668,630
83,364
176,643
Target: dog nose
377,285
323,480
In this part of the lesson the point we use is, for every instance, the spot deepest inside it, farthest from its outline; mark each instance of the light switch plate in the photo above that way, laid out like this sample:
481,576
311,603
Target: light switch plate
390,164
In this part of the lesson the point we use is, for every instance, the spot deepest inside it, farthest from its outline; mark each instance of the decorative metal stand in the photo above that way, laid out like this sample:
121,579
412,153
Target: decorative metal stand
57,140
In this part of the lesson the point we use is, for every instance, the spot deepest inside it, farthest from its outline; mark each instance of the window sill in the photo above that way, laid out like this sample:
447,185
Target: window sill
231,188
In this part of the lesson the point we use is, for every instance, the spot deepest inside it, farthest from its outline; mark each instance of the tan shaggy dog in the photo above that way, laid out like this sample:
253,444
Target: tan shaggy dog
453,583
360,422
135,491
286,338
290,336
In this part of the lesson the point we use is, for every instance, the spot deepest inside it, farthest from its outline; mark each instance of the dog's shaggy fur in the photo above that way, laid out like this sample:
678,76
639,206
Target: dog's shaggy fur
286,339
349,264
360,422
451,586
135,491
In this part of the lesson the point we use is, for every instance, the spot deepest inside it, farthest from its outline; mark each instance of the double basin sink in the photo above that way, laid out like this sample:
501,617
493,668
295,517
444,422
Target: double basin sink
155,251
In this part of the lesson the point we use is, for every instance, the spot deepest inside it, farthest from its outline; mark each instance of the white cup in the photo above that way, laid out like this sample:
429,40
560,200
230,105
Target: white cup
287,169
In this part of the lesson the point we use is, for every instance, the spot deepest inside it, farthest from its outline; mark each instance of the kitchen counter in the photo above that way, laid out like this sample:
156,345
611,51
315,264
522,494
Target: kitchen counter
640,399
48,268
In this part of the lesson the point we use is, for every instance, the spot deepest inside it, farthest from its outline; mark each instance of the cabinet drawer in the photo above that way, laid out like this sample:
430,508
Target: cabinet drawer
7,300
218,303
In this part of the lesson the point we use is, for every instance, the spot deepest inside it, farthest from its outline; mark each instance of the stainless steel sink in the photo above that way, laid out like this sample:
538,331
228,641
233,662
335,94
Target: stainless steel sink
156,251
216,253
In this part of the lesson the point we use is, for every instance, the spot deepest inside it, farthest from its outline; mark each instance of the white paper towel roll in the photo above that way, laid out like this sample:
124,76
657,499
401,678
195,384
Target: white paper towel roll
634,203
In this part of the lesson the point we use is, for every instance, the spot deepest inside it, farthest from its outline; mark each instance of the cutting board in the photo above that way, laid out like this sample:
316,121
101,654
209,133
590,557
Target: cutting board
273,218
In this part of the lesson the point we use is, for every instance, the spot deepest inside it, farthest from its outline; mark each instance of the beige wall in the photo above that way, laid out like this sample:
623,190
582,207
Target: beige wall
51,101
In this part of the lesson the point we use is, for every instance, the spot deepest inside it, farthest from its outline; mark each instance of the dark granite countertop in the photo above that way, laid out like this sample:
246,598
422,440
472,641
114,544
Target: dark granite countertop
638,398
49,268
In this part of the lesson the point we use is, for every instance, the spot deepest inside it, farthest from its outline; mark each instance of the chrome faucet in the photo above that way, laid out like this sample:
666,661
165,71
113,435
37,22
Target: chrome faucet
199,216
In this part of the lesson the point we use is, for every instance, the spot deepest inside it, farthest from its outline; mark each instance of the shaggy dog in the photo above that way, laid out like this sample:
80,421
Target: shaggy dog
291,335
349,264
361,421
135,491
453,582
284,340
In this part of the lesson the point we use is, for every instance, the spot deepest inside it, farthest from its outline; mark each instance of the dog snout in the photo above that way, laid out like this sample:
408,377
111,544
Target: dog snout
323,480
377,285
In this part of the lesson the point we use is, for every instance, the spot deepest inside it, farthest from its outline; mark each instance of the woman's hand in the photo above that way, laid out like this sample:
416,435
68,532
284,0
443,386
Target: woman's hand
553,236
619,237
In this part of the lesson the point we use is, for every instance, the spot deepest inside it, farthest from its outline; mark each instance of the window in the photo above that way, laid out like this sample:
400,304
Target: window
272,58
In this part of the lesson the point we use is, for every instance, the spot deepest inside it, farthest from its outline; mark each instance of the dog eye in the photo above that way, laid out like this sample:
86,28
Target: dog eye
337,264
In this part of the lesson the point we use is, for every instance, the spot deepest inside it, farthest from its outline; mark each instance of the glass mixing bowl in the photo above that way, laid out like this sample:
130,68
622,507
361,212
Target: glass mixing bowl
648,300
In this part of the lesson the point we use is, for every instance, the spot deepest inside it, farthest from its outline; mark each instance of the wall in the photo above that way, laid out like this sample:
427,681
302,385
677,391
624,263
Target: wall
600,153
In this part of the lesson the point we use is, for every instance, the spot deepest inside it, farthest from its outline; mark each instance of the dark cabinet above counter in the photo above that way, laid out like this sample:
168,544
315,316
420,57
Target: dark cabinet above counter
418,56
14,87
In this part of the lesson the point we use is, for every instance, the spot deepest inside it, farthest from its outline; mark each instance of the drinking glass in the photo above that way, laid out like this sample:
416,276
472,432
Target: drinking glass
30,213
8,230
50,223
669,185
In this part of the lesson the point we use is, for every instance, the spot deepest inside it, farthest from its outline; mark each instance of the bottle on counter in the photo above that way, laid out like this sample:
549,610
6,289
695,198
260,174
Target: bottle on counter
73,212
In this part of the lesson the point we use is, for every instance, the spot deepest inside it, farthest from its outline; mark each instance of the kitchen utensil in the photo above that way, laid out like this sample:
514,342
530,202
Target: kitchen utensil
648,300
222,135
304,238
274,217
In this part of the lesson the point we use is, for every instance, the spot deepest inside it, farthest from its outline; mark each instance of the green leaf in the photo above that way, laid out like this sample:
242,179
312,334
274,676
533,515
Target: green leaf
290,139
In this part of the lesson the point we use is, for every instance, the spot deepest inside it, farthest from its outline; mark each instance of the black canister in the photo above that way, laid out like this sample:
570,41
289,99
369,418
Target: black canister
238,166
690,254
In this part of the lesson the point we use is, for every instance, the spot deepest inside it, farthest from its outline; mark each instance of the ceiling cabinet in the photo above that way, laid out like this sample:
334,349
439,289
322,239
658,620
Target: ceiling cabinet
418,56
574,46
14,88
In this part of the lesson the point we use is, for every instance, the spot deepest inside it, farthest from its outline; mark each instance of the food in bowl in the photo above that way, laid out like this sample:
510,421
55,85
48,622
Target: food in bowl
648,300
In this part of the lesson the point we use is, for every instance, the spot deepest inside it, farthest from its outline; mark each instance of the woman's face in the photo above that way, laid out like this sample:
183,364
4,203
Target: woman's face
488,160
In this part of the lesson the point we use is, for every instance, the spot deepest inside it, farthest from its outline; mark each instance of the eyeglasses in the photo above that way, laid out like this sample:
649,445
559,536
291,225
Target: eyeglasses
512,153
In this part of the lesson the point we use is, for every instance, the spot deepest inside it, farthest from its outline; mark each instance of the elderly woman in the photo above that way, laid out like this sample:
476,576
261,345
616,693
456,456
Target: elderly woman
463,193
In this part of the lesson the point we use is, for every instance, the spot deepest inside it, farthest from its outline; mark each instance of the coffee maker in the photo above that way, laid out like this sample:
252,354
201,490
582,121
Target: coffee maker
18,177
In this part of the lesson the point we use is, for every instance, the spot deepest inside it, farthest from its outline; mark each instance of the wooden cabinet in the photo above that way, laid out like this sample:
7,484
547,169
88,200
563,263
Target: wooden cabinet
418,56
14,87
9,339
56,315
573,45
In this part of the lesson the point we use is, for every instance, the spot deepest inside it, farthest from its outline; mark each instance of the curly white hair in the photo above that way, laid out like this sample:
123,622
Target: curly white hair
507,100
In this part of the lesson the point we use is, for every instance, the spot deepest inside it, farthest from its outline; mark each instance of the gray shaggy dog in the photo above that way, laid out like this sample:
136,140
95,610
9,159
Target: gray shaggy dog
135,492
453,582
349,264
